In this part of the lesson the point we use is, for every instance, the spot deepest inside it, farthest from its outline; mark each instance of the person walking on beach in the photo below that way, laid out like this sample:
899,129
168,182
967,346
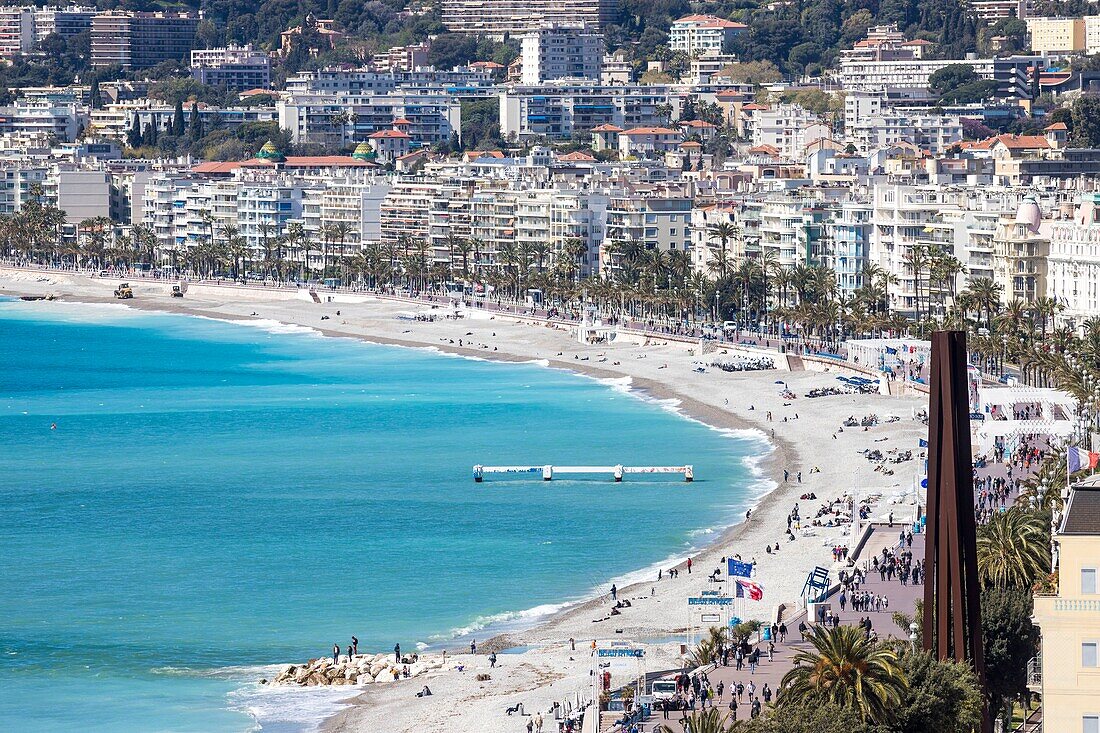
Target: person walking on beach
335,653
397,653
492,660
473,646
614,592
538,722
689,566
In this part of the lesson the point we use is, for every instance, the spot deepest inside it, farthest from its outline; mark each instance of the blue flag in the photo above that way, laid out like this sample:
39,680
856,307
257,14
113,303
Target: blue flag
922,443
739,569
891,351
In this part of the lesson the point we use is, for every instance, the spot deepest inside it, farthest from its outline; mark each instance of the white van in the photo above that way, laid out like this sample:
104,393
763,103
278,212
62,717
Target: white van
664,688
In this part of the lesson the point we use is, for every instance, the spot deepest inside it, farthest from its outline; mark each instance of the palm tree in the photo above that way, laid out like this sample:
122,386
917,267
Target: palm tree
705,721
1013,548
848,669
723,232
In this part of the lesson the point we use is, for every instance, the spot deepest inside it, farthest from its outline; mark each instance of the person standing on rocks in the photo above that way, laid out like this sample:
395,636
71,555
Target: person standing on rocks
349,654
397,653
335,653
354,646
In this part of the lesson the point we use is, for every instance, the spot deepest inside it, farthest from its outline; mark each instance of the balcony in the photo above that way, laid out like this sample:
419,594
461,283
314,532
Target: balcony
1035,673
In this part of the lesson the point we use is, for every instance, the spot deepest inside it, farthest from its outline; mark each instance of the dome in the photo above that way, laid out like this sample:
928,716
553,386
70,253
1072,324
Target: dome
270,152
363,151
1030,214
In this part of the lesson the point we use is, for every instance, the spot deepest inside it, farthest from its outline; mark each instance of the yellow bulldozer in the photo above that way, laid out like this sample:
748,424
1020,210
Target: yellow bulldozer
124,291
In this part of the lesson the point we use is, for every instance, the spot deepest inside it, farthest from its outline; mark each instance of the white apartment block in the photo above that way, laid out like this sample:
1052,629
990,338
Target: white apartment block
314,118
788,128
1073,267
909,77
561,110
237,68
1092,34
931,132
16,31
656,220
499,18
64,21
703,35
561,52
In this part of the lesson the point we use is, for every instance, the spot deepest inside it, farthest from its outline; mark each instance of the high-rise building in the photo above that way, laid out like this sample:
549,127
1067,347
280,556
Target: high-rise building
499,18
561,52
16,31
65,22
703,35
141,40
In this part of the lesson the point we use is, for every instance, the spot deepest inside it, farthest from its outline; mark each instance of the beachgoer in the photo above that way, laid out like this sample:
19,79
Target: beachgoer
689,566
397,652
614,592
572,644
335,653
492,659
473,647
354,645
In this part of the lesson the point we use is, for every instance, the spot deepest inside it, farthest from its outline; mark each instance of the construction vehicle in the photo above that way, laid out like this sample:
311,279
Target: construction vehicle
124,291
177,290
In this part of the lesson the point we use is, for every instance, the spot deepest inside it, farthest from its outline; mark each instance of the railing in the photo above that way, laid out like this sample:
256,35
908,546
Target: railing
1035,671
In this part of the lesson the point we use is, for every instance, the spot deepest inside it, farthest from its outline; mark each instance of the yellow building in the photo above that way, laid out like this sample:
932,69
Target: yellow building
1056,35
1070,621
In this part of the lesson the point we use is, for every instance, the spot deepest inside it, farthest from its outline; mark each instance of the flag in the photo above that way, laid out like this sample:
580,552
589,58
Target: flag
922,443
1078,459
755,591
738,568
891,351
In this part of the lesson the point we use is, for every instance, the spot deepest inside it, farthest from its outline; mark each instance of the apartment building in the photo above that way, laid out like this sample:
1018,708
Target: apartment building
648,142
1092,34
786,127
562,110
1067,675
342,119
932,132
1056,35
991,11
401,58
656,219
64,21
141,40
561,52
908,79
703,35
1073,267
236,68
56,114
499,18
847,244
16,31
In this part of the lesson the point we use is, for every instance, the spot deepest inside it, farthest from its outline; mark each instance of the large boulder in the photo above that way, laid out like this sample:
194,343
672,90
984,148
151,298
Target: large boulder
364,679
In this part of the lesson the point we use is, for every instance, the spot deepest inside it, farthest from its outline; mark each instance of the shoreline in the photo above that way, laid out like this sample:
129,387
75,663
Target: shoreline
768,507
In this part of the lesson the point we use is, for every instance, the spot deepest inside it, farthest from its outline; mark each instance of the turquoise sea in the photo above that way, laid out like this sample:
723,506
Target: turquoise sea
185,501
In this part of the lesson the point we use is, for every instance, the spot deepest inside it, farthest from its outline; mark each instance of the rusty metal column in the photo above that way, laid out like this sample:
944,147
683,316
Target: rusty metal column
952,612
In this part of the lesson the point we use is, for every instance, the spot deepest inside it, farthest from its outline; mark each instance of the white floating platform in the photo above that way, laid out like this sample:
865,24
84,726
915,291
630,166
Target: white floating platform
616,472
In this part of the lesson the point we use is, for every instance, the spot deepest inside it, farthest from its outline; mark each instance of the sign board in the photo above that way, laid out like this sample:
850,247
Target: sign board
711,618
620,658
710,601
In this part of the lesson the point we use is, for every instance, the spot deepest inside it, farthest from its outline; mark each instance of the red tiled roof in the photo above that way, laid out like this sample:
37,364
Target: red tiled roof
649,131
691,144
577,156
1056,126
607,128
401,121
768,149
486,65
309,161
216,167
702,124
917,42
754,105
393,134
1022,142
710,21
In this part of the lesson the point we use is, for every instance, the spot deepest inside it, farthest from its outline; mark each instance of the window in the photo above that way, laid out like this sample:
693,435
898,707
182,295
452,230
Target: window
1088,654
1088,581
1091,724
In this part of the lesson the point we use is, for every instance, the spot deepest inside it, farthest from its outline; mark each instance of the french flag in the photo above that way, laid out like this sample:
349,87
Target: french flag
1078,459
755,591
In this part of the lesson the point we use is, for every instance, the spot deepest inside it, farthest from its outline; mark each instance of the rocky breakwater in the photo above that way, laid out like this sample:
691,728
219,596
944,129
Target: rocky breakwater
362,669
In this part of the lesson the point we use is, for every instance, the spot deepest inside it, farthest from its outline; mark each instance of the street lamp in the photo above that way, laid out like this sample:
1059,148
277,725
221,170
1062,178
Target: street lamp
913,635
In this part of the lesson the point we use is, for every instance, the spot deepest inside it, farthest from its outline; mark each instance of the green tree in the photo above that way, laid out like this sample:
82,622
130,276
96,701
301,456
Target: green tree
1086,122
178,123
1014,548
196,123
1009,641
849,670
942,696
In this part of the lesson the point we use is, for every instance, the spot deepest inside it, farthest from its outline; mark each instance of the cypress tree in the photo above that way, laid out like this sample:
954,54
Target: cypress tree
133,137
196,122
178,125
